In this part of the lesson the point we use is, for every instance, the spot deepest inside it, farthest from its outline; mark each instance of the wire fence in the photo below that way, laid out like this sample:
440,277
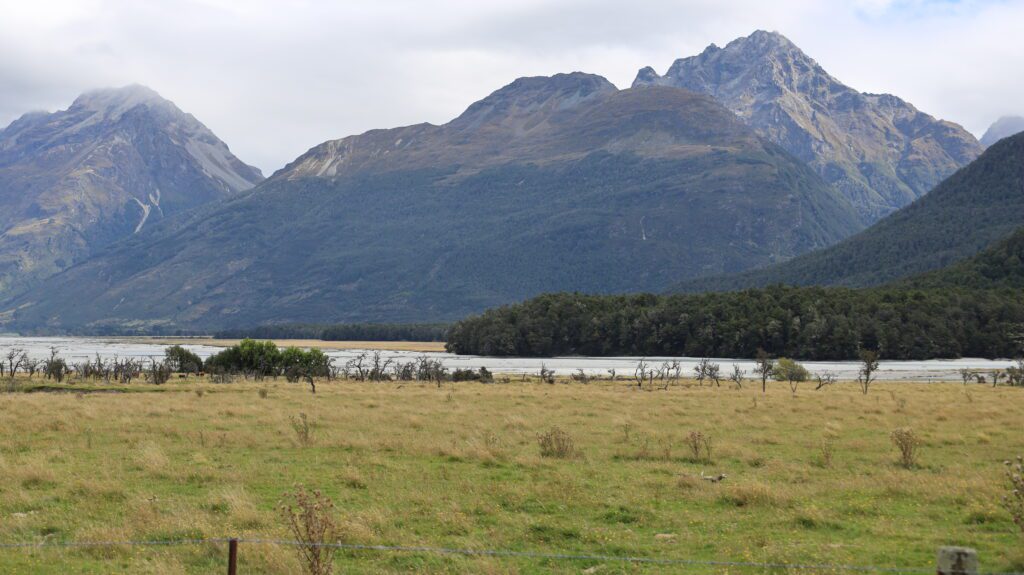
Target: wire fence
807,567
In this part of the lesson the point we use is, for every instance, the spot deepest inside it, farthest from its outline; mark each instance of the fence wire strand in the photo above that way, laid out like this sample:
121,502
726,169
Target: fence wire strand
817,567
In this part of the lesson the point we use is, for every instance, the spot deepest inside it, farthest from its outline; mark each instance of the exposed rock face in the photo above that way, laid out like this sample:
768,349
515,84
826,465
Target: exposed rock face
1002,128
879,151
117,160
548,184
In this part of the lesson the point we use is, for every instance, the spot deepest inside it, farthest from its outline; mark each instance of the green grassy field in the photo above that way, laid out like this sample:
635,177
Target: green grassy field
460,467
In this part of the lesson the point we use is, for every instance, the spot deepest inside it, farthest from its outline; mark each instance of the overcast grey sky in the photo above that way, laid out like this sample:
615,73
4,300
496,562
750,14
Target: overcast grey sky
274,78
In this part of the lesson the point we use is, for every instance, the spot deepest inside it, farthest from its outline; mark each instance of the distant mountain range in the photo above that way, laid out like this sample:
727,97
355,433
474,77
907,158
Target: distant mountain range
880,152
1002,128
115,162
978,206
736,159
547,184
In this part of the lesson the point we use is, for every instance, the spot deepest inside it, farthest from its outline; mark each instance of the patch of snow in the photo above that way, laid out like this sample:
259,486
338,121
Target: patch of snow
145,215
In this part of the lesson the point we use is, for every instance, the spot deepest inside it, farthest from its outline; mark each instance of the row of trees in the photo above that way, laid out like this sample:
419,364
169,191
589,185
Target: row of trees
56,368
1012,376
669,373
261,359
799,322
250,359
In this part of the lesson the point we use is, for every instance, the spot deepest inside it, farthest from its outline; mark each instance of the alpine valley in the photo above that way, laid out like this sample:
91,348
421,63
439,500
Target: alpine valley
741,158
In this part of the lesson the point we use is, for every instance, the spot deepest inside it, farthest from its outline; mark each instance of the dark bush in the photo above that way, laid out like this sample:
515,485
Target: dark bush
182,360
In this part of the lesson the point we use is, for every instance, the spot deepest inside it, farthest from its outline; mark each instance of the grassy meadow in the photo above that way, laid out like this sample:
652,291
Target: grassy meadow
811,478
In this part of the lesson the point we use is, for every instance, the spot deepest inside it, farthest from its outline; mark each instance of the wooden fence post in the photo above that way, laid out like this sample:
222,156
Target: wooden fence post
957,561
233,557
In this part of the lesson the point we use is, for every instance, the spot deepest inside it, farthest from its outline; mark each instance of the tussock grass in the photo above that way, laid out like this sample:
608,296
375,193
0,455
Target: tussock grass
462,467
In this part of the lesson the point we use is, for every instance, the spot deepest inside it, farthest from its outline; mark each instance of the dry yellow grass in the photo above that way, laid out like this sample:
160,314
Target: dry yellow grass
417,346
460,467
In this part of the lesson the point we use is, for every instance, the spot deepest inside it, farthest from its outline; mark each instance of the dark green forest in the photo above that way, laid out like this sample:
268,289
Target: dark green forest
974,308
1000,266
804,323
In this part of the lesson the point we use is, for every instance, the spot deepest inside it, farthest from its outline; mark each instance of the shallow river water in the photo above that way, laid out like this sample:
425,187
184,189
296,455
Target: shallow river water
78,349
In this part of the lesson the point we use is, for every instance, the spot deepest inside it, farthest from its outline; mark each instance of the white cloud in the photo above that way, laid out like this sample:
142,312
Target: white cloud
274,78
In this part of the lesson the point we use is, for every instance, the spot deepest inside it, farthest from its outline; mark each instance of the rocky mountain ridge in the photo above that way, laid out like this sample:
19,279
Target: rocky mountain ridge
877,150
76,180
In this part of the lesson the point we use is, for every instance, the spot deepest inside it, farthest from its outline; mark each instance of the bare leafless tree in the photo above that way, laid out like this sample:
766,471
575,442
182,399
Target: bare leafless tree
700,371
765,368
968,375
737,376
15,357
714,373
825,379
356,367
643,374
997,375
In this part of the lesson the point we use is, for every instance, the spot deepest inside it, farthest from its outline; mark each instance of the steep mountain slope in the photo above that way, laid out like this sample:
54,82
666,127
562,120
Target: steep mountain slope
560,183
975,207
999,266
879,151
1002,128
114,162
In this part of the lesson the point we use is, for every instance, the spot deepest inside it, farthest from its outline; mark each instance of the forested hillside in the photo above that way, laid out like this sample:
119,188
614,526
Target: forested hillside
979,205
974,308
804,323
1000,266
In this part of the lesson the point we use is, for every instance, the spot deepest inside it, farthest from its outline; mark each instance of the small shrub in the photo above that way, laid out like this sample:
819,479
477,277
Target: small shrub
159,372
790,371
827,450
750,495
547,375
556,443
264,393
200,392
627,428
303,429
643,451
1015,374
580,376
908,443
55,368
666,448
310,518
465,375
688,482
700,446
182,360
1014,500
